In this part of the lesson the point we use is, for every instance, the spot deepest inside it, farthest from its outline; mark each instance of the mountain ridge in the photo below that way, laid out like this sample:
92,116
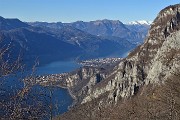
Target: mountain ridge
8,24
140,22
105,28
150,64
86,45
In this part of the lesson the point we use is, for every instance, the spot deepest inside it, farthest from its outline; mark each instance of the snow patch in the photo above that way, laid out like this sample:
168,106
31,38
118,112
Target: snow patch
140,22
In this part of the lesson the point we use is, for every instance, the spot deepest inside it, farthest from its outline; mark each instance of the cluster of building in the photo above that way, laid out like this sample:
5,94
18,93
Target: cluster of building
44,79
100,62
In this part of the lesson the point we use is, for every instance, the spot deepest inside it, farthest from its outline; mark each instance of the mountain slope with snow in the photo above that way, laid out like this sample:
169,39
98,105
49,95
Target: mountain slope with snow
140,22
105,28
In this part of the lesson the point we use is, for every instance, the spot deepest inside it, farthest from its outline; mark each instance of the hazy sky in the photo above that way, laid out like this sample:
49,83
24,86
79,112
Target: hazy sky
86,10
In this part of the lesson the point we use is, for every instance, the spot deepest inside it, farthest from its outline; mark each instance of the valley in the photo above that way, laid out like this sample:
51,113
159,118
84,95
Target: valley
91,70
55,50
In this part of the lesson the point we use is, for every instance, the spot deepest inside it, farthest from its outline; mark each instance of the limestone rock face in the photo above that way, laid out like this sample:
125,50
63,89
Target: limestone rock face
152,62
79,82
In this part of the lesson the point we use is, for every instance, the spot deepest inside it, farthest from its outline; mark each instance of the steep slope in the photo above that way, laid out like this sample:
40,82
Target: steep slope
140,22
57,25
37,45
149,65
8,24
152,62
104,28
57,40
94,46
110,28
97,46
139,26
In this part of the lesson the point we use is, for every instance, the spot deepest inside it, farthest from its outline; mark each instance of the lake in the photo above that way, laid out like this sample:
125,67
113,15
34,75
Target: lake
61,97
57,67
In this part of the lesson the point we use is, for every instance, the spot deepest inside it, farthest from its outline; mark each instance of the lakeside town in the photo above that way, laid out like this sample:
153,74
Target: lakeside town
100,62
103,62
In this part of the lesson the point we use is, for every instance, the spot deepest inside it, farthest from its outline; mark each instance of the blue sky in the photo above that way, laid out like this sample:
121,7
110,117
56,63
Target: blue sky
86,10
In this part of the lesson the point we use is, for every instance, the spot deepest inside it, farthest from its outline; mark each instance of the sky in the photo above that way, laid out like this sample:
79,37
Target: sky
85,10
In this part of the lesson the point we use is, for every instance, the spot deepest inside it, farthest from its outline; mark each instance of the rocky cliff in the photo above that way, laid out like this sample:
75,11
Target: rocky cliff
78,82
151,63
143,86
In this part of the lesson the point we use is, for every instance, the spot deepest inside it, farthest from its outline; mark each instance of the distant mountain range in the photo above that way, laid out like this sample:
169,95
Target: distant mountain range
145,85
135,33
141,27
63,41
8,24
140,22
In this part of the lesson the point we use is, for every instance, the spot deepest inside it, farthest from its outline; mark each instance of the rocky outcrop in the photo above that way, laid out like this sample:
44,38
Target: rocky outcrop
78,82
151,62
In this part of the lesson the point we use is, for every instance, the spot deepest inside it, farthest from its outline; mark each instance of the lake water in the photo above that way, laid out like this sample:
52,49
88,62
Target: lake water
61,98
57,67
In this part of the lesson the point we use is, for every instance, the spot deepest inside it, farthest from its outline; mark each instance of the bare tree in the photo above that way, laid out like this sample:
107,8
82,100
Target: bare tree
19,98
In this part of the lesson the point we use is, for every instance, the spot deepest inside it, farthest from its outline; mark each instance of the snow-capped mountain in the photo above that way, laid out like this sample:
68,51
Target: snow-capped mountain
105,28
140,22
